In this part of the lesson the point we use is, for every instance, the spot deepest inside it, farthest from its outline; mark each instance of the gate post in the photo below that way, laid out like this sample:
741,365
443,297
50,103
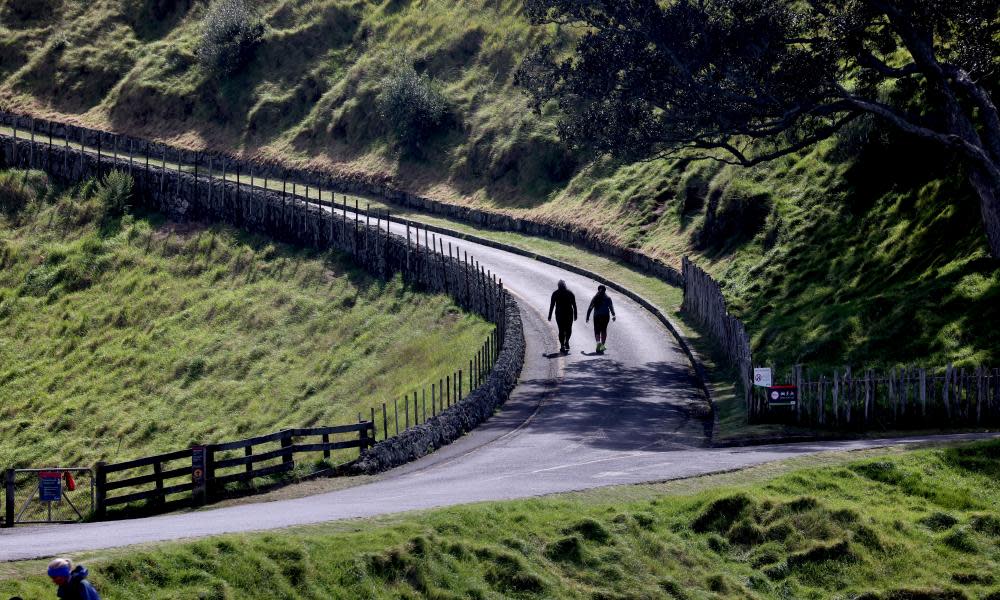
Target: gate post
9,498
200,468
100,490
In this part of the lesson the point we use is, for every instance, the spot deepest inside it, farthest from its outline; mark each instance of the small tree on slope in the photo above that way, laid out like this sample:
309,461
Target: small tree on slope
746,81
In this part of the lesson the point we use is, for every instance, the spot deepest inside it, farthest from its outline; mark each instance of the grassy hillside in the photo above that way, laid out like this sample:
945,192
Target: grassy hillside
867,249
918,526
120,337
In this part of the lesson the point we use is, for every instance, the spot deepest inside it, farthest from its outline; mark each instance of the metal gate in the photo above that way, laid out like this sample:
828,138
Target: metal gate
50,495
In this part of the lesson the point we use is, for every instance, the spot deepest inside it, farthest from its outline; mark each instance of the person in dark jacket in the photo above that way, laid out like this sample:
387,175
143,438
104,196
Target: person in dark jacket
603,310
564,304
72,583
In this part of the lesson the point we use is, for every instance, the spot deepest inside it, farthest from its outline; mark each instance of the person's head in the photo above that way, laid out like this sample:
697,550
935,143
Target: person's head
601,289
562,284
59,570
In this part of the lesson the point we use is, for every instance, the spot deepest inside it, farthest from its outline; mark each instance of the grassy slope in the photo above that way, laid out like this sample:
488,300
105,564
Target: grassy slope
124,339
873,252
921,521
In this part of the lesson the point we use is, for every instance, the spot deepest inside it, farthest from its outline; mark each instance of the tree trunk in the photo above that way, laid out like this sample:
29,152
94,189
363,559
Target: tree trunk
988,188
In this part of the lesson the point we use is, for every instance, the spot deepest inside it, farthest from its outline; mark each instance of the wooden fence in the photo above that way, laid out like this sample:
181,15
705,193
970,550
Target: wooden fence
901,398
187,186
201,474
705,304
412,410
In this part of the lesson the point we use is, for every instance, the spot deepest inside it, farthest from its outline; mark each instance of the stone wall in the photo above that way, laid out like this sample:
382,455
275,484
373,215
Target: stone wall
461,418
294,219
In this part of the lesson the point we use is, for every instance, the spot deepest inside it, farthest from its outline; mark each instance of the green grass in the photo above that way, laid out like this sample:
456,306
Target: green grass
867,250
917,525
124,337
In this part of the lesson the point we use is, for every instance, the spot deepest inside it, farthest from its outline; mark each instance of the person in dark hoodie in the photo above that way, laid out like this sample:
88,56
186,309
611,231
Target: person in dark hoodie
603,310
72,583
564,304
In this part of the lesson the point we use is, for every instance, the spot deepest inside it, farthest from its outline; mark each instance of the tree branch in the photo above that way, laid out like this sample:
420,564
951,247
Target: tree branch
869,60
951,140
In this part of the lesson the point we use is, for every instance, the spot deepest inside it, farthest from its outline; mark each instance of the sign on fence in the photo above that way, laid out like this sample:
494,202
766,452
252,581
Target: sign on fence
49,486
198,480
762,377
782,396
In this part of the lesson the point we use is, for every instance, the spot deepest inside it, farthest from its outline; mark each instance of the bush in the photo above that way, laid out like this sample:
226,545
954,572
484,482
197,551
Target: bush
115,194
231,32
411,107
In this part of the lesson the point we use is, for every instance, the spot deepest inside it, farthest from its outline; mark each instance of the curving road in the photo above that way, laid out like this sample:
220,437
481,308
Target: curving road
579,421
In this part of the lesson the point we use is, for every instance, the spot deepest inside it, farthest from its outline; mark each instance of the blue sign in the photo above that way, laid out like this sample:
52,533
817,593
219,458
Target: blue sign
50,486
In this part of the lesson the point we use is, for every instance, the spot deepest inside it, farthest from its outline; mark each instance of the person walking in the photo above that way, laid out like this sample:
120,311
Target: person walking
603,310
564,304
72,583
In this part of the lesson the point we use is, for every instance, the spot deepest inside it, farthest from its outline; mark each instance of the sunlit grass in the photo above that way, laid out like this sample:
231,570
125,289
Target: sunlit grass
919,524
127,337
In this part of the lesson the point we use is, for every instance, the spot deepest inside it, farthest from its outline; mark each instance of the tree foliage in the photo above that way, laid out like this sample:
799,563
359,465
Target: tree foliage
412,108
231,32
746,81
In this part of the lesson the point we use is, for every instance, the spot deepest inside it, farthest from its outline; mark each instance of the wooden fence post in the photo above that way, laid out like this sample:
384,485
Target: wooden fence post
797,373
836,397
923,393
946,392
100,490
160,498
286,442
9,489
848,395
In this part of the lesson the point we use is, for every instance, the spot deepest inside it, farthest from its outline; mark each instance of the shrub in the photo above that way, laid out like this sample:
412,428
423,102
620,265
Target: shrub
411,107
115,194
231,32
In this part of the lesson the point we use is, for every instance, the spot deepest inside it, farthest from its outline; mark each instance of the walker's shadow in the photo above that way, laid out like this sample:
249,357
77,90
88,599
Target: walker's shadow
605,404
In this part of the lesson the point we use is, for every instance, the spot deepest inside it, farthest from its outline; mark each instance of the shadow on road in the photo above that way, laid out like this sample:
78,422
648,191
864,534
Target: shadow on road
604,404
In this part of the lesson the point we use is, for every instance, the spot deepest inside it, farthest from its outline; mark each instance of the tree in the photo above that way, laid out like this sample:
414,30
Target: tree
747,81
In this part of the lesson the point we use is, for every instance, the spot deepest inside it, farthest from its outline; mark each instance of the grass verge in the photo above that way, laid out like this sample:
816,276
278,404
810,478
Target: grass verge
876,525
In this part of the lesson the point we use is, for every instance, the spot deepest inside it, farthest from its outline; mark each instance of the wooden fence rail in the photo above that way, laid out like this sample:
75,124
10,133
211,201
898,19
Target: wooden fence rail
175,473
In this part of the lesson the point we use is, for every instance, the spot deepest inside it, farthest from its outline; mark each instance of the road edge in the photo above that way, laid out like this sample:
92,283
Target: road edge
693,357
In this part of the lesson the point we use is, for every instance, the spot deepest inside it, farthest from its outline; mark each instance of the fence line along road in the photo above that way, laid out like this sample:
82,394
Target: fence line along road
493,371
900,398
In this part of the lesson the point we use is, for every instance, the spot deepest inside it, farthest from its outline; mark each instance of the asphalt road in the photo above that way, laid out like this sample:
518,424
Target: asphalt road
632,415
